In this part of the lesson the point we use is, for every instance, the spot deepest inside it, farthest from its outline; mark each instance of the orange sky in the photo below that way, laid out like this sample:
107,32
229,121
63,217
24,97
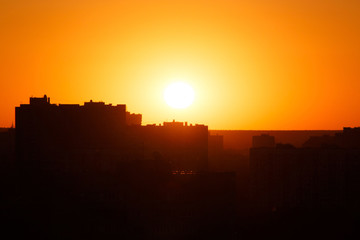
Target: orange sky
256,64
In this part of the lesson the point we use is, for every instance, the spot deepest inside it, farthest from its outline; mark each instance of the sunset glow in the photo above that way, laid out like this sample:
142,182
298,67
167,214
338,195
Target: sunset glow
254,64
179,95
180,119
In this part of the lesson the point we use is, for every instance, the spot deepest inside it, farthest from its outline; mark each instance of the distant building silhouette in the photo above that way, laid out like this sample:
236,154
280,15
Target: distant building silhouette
264,140
348,138
322,175
184,146
216,143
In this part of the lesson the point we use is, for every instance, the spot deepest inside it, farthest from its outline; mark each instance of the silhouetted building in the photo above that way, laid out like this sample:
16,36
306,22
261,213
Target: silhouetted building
133,119
348,138
185,147
323,176
188,206
39,101
174,124
216,144
92,171
264,140
7,143
47,131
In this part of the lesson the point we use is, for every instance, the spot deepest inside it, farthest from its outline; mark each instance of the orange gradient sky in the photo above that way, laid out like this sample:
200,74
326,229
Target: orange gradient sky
256,64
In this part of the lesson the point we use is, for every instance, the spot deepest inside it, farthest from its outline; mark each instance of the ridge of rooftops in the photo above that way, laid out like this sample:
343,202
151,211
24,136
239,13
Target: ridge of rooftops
175,124
46,101
41,101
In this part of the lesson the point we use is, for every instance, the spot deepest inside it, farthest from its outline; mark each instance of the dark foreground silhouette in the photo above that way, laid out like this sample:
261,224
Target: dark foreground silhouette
93,171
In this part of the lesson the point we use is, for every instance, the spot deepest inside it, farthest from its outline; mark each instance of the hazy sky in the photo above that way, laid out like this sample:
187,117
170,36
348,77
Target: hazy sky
275,64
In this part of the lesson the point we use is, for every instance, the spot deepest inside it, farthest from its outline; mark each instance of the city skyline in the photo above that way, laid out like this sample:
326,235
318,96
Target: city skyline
180,119
93,170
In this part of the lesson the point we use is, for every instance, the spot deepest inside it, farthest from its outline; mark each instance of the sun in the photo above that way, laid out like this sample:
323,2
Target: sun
179,95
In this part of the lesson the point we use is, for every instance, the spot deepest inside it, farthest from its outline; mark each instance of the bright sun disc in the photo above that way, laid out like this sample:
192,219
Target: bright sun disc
179,95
